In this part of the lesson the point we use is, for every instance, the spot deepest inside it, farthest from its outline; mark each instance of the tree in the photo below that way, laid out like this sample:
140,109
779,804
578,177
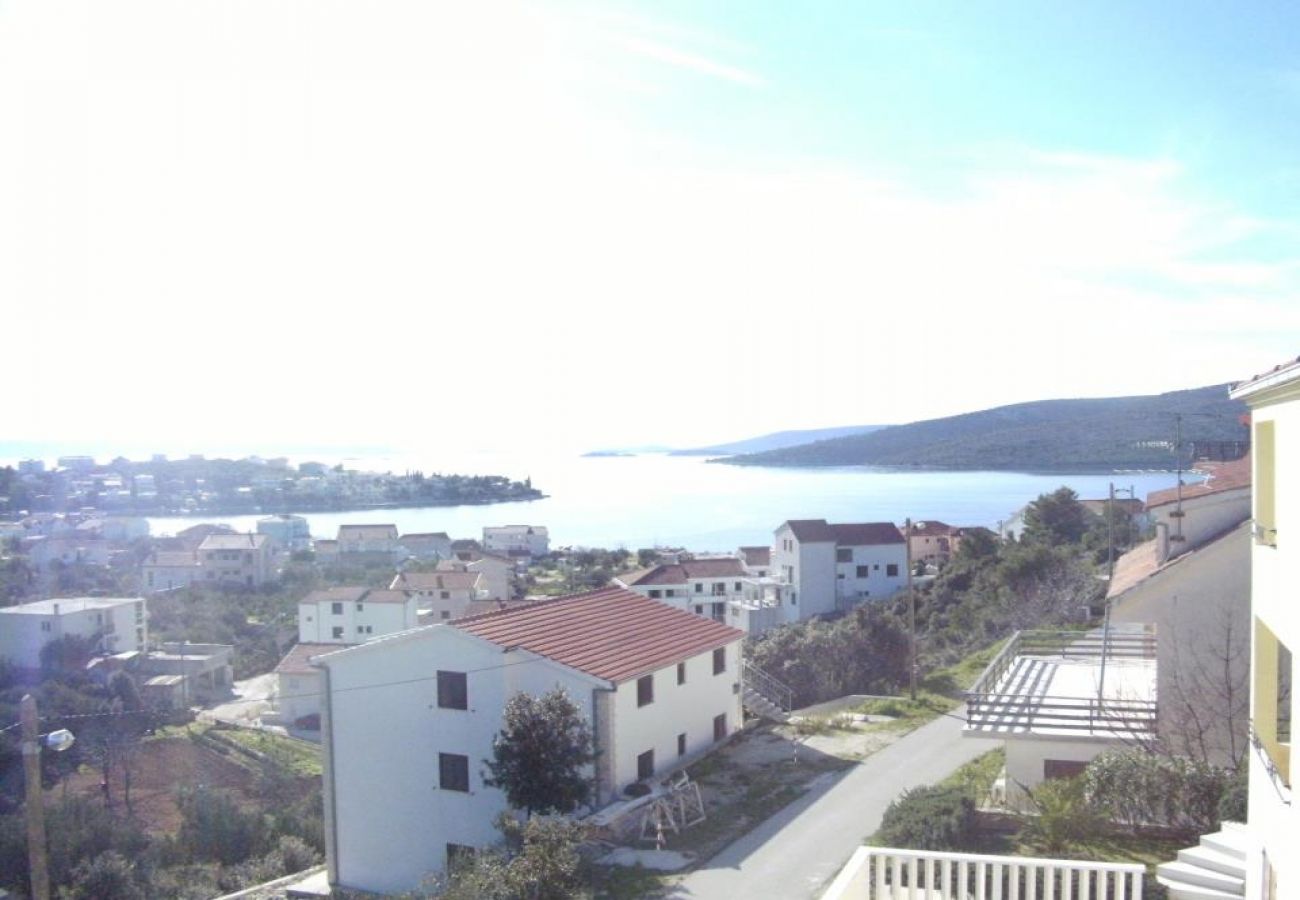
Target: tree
1056,518
538,757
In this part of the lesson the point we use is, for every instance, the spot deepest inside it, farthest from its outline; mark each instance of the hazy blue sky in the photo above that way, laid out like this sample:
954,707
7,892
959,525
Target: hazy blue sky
591,224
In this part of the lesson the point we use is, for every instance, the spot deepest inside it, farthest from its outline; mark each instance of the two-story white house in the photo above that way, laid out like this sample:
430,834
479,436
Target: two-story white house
350,615
432,545
517,540
830,567
168,570
408,720
701,586
286,531
235,559
114,624
367,540
443,595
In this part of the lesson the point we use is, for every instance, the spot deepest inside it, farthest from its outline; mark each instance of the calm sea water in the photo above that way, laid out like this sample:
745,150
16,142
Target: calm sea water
653,500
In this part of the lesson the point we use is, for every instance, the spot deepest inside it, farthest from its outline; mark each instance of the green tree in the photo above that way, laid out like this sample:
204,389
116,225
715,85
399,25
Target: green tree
539,754
109,876
1056,518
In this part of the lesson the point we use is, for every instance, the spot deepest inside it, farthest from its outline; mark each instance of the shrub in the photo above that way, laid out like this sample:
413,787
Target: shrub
108,876
929,818
1138,788
1061,816
1236,793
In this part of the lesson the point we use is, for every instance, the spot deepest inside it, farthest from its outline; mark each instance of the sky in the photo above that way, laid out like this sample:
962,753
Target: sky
601,224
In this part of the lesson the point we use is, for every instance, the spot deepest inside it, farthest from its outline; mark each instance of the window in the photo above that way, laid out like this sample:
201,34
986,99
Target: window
720,727
670,593
719,660
453,772
681,673
336,609
699,587
361,607
645,690
844,554
681,744
453,690
645,765
891,570
446,614
737,587
361,630
655,593
699,609
864,571
445,595
840,576
338,632
46,626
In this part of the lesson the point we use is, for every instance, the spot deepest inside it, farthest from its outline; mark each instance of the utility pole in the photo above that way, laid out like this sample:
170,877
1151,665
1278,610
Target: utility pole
1178,456
911,607
1110,577
37,859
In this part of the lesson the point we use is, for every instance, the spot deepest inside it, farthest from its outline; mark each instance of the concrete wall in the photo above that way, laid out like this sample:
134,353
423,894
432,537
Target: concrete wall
878,583
1200,605
317,621
1027,756
815,579
1204,518
24,634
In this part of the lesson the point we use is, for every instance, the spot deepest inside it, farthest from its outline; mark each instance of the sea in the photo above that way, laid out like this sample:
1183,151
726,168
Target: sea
651,500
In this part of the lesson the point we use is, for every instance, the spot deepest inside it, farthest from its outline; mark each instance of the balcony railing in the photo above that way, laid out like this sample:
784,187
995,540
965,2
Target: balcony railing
884,873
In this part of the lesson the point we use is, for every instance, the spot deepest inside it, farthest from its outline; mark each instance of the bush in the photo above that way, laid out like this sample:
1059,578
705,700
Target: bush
108,876
1136,788
1062,815
929,818
1236,793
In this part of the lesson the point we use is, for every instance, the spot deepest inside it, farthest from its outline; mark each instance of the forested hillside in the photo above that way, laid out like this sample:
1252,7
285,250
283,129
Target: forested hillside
1075,435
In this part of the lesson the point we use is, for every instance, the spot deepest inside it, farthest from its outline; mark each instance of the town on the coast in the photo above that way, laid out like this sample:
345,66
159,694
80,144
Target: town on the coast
294,714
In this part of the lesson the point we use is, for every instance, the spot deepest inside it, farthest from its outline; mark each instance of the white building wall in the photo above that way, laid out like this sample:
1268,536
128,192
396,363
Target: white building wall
878,583
677,708
1204,518
24,634
393,820
1027,756
317,621
1274,815
297,696
815,579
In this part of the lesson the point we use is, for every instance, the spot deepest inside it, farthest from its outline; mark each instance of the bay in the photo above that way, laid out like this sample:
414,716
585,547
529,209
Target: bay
656,500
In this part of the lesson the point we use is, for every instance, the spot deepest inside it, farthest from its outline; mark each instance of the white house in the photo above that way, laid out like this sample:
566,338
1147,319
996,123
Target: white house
235,559
1262,852
298,685
408,719
350,615
433,545
830,567
373,540
115,624
517,540
701,586
167,570
1187,518
445,595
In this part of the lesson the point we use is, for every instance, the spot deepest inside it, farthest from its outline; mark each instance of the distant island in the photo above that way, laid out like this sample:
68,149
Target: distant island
1048,435
199,486
778,440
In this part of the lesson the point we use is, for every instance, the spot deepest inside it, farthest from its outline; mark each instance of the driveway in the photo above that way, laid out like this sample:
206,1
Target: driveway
248,704
797,852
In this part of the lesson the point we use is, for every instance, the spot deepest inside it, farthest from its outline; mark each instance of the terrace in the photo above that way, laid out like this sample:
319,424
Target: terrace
1068,684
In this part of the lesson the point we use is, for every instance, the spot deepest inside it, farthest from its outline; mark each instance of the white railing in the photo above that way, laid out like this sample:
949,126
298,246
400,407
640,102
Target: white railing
885,873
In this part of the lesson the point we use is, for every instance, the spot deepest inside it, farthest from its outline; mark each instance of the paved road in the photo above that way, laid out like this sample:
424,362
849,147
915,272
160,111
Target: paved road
796,853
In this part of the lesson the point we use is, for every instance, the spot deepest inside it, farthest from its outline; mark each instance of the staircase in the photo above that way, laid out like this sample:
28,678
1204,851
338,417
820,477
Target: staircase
1214,869
763,695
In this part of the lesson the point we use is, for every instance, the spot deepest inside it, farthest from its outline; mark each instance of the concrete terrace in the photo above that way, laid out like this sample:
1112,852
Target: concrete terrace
1051,684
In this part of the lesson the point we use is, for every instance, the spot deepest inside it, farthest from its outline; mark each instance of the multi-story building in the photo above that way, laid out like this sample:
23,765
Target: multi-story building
285,531
235,559
367,540
168,570
113,624
832,567
434,545
408,719
702,586
933,542
444,595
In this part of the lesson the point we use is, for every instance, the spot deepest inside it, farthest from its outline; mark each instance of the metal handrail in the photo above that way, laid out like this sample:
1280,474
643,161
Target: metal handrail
767,686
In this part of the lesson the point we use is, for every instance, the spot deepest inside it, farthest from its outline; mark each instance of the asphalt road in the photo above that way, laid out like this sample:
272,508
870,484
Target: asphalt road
797,852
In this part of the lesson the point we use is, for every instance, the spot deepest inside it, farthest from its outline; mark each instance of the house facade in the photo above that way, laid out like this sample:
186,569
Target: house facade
517,540
168,570
702,586
408,719
115,625
351,615
286,531
367,540
1188,517
833,567
443,595
933,542
426,546
235,559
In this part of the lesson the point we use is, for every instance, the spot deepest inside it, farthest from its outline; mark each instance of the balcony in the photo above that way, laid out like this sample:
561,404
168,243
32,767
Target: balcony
1068,684
883,873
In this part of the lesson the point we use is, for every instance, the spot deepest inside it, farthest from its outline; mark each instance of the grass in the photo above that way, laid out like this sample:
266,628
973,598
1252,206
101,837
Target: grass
954,680
303,759
977,776
625,882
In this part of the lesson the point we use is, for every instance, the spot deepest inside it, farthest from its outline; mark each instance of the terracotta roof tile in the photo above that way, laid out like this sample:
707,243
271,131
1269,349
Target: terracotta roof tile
1222,476
296,661
441,581
233,542
866,533
612,634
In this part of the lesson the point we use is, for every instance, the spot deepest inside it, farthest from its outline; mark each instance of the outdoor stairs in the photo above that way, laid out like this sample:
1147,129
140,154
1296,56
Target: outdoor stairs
763,695
1214,869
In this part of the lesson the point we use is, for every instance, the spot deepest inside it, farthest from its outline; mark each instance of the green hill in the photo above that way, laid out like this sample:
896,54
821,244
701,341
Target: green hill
1075,435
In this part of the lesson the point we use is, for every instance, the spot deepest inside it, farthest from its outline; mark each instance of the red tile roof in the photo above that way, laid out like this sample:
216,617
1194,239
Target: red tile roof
681,573
811,530
296,661
757,556
1222,476
933,528
335,595
611,633
442,581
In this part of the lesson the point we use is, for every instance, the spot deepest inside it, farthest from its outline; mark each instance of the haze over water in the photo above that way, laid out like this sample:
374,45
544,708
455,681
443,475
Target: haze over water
653,500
